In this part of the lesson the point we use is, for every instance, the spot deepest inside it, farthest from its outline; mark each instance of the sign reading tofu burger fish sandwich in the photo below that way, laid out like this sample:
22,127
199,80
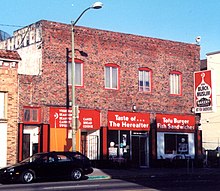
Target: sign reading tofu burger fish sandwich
128,121
176,123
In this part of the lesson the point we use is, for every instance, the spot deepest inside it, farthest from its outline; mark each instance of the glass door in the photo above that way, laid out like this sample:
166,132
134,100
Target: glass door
143,152
140,154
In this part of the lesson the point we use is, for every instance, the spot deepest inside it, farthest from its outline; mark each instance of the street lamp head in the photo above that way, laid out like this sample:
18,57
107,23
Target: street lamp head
97,5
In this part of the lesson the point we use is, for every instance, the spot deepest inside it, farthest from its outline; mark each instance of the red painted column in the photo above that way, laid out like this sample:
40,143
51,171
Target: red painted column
20,141
104,143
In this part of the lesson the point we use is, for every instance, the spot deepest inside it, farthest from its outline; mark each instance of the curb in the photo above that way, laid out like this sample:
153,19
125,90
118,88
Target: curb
99,177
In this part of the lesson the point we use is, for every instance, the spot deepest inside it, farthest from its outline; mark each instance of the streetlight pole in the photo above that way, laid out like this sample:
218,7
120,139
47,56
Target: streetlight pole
96,5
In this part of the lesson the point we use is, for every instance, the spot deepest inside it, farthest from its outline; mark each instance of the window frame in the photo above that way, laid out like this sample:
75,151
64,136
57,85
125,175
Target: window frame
172,143
111,66
172,89
77,62
145,69
32,109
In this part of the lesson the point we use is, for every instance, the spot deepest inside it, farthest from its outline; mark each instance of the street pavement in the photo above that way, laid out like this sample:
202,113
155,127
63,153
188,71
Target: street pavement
151,172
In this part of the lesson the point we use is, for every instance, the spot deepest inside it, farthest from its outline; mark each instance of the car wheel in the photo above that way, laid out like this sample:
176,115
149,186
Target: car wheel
27,177
76,174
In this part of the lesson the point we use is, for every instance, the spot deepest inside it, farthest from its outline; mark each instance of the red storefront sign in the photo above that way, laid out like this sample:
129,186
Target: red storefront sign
177,123
204,92
89,119
128,121
62,118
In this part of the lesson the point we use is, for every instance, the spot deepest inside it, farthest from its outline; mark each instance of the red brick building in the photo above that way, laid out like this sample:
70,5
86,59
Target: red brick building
8,106
134,93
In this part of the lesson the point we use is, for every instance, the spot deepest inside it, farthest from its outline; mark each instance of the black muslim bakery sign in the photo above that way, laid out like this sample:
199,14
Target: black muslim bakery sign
203,91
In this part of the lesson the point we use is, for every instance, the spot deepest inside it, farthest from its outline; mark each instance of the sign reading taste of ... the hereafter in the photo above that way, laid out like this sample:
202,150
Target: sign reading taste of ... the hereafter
128,121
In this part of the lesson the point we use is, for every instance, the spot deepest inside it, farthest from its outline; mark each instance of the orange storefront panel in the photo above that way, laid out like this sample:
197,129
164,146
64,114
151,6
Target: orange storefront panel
61,122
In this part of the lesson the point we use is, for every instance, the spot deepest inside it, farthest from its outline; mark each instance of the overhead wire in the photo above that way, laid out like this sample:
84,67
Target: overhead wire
7,25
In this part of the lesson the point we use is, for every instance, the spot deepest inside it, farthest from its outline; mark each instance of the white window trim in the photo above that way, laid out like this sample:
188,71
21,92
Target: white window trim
3,105
70,74
144,88
111,77
175,83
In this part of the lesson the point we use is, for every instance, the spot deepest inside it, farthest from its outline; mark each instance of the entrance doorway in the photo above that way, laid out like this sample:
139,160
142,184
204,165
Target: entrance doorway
140,151
89,145
30,140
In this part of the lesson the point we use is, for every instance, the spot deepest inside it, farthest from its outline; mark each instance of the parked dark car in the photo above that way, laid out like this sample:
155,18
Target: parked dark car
48,165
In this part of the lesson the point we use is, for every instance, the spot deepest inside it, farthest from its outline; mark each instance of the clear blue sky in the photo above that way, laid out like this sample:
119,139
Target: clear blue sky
177,20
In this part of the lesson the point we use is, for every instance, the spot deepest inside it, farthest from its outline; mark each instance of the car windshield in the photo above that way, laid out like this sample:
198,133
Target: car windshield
33,158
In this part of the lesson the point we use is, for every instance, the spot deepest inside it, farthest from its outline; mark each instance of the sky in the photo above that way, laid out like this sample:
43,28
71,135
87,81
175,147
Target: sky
176,20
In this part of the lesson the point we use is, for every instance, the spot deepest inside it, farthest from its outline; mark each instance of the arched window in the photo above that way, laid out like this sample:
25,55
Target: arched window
175,83
144,82
111,76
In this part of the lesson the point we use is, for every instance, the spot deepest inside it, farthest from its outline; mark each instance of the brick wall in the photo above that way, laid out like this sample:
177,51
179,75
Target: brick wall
101,47
9,84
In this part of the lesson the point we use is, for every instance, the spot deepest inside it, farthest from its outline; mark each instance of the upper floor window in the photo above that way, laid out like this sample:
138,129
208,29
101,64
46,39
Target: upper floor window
175,83
3,104
144,82
111,76
78,73
32,115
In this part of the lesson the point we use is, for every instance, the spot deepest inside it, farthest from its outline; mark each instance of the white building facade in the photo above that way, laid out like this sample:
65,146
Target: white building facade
210,122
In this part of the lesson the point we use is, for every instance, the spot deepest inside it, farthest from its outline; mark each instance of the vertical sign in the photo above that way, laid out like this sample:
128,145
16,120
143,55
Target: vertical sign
204,92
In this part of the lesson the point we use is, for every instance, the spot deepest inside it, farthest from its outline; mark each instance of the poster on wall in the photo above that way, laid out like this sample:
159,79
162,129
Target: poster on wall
182,144
204,92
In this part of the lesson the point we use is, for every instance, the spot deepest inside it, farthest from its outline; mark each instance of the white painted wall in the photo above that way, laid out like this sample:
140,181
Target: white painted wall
210,122
3,143
31,63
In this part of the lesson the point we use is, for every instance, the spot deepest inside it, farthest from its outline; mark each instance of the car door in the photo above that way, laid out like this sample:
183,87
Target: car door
46,167
63,165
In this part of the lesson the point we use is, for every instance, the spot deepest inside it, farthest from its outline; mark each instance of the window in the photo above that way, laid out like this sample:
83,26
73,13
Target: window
78,73
144,83
175,83
118,144
63,158
111,76
32,115
176,144
3,99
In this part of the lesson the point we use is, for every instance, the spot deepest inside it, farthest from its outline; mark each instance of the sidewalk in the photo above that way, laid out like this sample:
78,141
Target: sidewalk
151,172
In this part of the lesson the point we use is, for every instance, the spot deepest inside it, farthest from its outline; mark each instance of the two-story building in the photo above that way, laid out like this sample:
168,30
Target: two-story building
134,94
8,106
